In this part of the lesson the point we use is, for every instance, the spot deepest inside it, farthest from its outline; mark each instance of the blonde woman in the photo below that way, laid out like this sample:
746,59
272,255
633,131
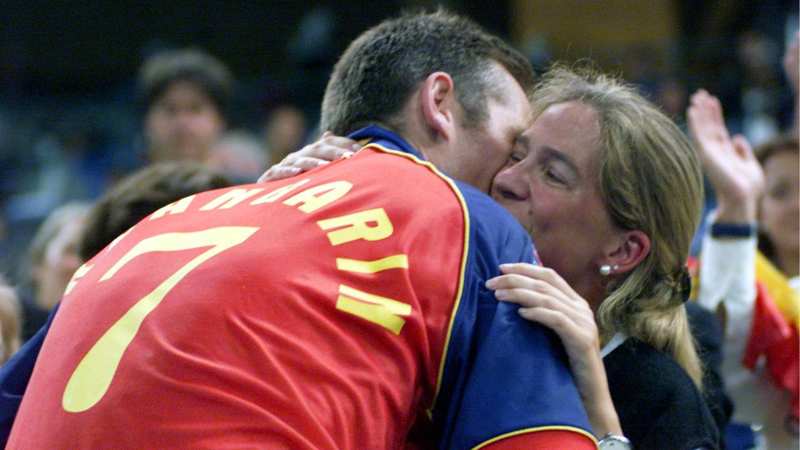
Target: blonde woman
611,191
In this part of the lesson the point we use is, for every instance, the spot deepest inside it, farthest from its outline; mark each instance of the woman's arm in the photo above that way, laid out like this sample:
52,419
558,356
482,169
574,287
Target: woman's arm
545,297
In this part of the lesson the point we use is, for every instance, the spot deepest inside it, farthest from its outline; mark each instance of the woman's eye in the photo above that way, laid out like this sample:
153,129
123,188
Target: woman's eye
552,175
516,157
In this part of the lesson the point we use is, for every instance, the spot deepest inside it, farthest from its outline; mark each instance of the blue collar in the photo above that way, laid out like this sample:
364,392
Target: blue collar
381,136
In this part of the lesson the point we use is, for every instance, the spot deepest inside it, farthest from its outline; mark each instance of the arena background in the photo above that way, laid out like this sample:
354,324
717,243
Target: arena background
69,121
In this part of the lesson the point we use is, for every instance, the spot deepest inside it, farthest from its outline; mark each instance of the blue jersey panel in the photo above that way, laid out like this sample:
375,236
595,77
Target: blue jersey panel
503,374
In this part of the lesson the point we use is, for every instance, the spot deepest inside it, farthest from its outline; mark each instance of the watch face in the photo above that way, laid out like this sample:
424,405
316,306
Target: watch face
613,442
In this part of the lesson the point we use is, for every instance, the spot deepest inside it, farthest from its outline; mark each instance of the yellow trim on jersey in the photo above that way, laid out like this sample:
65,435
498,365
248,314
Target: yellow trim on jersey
462,270
534,430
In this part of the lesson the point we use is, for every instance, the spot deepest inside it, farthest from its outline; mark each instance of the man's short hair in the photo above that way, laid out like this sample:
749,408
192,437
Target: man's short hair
378,72
201,69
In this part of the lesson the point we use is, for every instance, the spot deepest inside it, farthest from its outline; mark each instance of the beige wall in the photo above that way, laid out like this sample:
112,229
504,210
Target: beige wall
575,28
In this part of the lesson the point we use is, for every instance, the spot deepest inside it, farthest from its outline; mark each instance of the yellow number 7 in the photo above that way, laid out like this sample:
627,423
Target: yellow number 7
91,379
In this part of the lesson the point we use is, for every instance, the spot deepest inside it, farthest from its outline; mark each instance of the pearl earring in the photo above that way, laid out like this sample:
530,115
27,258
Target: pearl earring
606,270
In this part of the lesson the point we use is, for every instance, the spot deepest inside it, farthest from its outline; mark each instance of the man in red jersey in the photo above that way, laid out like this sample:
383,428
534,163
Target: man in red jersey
337,309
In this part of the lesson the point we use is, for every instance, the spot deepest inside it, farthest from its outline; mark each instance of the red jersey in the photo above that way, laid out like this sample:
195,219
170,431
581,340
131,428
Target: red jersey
319,312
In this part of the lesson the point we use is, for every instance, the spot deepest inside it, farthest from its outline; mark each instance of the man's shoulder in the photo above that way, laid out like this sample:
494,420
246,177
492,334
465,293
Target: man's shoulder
491,224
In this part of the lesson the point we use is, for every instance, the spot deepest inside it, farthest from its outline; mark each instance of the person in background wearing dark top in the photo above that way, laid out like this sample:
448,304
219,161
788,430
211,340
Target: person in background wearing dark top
133,198
419,339
185,96
52,259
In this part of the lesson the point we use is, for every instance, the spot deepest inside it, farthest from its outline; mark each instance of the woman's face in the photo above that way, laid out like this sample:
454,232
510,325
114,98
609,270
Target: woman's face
779,209
551,186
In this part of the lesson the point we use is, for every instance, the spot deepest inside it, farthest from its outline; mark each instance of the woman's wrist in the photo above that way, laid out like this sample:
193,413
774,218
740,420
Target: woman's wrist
597,400
742,210
603,417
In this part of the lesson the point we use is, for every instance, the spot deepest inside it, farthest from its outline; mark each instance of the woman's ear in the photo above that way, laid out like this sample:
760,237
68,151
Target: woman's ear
631,249
437,100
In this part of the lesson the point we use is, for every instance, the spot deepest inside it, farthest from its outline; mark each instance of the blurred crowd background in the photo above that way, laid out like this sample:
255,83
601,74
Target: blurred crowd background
72,105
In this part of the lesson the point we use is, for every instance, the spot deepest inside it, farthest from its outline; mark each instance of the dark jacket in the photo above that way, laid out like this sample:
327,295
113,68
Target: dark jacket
658,405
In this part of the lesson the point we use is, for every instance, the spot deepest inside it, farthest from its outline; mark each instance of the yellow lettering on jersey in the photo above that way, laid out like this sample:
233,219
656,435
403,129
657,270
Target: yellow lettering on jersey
230,199
374,308
278,193
358,226
173,208
378,265
92,377
82,270
316,197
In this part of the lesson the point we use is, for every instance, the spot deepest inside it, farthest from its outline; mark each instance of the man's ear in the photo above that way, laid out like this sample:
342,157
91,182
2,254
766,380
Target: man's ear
631,248
437,98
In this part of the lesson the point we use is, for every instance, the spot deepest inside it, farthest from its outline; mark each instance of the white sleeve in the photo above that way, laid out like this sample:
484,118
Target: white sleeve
728,274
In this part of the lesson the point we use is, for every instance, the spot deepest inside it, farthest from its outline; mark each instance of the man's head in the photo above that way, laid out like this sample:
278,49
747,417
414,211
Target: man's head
185,95
442,82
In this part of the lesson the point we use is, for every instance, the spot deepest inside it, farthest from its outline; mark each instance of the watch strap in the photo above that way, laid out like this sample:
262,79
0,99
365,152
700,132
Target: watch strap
733,230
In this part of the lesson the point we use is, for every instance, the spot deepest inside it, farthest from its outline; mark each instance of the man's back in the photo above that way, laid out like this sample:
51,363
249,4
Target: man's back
282,311
332,310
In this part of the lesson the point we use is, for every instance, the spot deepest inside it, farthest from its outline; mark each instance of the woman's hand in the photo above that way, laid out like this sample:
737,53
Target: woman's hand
545,297
328,148
732,168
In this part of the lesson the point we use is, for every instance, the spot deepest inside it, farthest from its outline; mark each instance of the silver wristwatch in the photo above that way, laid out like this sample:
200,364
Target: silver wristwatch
614,442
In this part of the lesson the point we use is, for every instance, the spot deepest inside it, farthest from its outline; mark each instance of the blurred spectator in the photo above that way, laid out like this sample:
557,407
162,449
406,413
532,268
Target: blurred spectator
52,259
140,194
239,156
759,298
791,69
185,95
761,91
284,131
780,209
10,318
671,95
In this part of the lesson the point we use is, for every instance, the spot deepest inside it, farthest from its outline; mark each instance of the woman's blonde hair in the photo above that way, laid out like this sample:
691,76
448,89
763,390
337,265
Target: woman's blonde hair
650,180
